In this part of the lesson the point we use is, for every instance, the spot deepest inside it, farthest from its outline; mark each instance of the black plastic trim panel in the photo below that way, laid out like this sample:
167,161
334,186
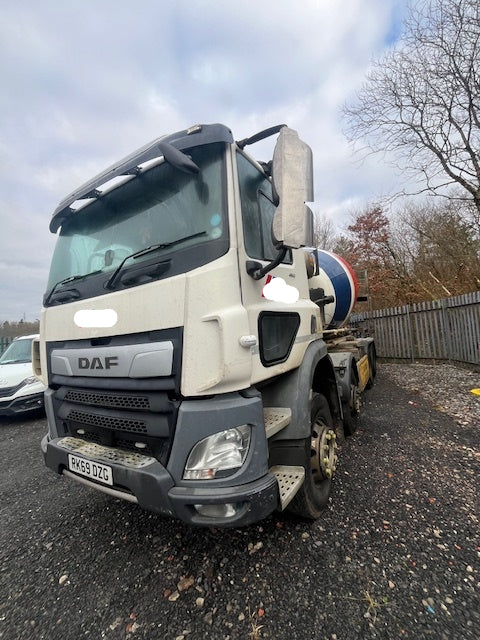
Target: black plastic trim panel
283,334
167,383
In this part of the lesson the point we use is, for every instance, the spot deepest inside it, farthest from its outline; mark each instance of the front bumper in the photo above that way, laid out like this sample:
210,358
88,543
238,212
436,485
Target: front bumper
153,488
21,404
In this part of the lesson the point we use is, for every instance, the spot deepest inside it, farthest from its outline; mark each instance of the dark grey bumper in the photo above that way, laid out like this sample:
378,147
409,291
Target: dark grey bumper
253,502
153,488
22,404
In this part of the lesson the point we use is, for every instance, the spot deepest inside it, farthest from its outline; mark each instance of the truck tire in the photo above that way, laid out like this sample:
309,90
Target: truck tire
350,408
319,462
372,361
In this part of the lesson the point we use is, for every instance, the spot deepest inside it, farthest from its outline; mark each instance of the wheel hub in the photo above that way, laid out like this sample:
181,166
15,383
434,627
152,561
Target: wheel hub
354,399
323,457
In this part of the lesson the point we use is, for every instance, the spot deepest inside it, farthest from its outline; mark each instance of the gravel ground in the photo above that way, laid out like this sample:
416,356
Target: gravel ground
396,554
447,387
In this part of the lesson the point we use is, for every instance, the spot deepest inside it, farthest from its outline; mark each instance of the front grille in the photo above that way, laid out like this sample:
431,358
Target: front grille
118,419
106,422
10,391
116,401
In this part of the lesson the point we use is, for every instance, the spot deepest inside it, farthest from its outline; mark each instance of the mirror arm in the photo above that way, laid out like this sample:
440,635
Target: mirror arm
255,269
266,133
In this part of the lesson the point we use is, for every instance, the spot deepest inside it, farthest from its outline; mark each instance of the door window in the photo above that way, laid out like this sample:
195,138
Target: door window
257,211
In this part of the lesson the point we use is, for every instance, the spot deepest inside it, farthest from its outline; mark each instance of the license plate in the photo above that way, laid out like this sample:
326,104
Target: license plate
90,469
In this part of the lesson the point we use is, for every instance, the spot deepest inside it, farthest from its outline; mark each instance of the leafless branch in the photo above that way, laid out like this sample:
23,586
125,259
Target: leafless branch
421,102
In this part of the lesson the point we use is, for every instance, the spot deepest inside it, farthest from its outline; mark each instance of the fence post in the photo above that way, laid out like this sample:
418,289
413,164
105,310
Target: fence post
445,324
410,333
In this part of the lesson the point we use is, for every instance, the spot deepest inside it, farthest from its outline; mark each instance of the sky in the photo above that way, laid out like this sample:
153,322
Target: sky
86,82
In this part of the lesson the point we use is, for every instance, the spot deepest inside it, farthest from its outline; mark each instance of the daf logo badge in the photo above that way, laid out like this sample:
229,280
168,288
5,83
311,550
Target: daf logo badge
98,363
3,382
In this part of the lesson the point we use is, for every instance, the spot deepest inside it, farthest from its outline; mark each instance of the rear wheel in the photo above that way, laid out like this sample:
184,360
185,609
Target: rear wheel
372,361
351,408
319,462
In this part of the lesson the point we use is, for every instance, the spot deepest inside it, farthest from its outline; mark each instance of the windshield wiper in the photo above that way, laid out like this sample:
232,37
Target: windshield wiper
67,281
164,245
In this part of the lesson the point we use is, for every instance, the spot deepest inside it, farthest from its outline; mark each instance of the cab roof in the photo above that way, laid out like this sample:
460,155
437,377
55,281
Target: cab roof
130,166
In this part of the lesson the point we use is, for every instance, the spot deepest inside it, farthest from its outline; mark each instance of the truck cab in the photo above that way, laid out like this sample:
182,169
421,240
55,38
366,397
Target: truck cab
185,360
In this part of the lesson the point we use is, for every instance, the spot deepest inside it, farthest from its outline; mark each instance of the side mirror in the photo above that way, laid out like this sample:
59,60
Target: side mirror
178,159
292,177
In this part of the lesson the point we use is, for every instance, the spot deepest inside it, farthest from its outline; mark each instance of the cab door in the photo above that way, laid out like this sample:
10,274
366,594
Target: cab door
279,315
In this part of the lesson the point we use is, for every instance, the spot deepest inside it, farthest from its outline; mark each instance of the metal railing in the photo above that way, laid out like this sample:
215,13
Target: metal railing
447,330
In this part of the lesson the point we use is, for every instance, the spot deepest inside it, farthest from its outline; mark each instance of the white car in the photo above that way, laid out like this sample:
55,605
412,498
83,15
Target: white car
20,390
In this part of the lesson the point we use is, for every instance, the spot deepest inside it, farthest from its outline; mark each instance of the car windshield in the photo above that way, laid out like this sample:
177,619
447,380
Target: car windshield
157,207
17,351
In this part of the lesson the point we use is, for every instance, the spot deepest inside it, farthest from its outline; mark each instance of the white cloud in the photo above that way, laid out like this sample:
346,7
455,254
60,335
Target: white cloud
84,83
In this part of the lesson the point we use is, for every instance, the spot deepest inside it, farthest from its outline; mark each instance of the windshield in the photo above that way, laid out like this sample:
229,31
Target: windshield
17,351
158,207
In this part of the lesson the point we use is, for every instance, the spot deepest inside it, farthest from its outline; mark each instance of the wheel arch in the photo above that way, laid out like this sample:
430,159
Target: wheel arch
325,382
293,390
346,367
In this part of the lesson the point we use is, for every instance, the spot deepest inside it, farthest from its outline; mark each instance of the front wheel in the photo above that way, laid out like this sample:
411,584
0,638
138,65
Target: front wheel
319,462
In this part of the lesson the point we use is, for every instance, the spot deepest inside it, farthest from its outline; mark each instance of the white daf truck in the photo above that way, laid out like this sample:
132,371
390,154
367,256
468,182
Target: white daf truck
192,341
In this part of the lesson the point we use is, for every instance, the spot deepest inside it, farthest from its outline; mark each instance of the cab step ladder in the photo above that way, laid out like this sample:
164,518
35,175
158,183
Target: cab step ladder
289,479
276,419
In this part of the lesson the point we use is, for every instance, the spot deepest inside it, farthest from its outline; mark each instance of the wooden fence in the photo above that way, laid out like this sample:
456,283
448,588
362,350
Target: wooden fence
447,330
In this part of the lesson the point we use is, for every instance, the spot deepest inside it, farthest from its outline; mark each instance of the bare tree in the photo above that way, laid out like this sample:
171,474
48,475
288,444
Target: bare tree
444,253
324,232
422,100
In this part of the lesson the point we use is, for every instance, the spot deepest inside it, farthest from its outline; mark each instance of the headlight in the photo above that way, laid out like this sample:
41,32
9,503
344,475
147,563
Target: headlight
223,451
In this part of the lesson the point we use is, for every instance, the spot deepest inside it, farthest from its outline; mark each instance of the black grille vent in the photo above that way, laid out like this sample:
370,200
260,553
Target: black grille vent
91,437
118,417
120,424
9,391
108,400
130,446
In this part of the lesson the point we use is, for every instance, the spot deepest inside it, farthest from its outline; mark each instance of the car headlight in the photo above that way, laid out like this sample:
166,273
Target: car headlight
224,451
